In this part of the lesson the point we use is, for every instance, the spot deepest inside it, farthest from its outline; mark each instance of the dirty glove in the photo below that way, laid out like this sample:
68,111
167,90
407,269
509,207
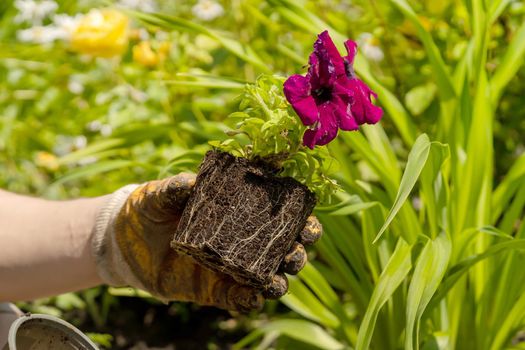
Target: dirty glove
131,245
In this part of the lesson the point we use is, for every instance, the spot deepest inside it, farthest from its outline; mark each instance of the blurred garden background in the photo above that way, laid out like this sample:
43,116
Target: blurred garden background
98,94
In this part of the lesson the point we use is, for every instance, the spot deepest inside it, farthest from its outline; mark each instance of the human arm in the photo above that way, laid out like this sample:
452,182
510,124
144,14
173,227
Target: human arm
128,234
45,246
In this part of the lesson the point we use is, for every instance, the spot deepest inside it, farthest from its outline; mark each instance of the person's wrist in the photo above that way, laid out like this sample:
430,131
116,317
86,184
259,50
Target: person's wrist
107,256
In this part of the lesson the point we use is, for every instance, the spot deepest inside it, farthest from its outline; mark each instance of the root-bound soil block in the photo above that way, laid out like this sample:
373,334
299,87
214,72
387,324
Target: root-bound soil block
241,219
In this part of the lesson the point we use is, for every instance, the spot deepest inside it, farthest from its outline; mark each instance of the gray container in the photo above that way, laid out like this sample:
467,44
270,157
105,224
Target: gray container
43,332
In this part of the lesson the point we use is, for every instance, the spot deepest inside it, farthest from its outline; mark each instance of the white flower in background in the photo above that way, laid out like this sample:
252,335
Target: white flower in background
207,10
61,29
66,24
161,35
417,203
75,86
369,46
34,11
106,130
140,5
67,144
39,34
80,142
94,126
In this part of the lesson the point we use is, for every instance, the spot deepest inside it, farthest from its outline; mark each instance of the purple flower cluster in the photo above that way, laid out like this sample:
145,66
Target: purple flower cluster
330,97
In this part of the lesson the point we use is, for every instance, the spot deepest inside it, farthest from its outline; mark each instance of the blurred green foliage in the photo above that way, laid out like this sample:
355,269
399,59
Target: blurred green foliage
398,266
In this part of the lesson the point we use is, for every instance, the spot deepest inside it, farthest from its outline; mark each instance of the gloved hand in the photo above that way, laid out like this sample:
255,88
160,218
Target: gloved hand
131,245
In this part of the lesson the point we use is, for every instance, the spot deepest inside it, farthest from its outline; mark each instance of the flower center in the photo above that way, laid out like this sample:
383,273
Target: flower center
323,94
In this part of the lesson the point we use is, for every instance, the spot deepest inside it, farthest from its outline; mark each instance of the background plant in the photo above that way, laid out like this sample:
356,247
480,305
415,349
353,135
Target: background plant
423,247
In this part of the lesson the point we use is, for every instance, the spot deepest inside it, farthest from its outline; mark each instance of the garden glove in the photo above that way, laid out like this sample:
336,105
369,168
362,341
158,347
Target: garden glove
131,245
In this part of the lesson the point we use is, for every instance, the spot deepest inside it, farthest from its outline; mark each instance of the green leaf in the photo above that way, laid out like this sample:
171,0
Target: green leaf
420,97
510,64
496,8
301,330
513,321
91,150
93,169
428,273
505,191
434,188
353,208
204,81
301,300
351,205
395,272
476,176
416,161
460,269
304,331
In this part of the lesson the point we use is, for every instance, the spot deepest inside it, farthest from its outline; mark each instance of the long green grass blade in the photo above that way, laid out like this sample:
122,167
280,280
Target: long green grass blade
428,273
304,331
416,161
513,320
303,301
508,187
392,276
93,169
459,270
510,64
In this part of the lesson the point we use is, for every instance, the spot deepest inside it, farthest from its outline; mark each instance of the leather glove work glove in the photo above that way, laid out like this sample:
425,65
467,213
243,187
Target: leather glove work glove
131,245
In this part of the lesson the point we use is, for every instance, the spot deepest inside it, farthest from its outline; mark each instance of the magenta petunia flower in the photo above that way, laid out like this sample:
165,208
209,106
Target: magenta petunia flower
330,97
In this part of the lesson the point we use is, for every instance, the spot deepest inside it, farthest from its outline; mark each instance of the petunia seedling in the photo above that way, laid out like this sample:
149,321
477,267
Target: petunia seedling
330,97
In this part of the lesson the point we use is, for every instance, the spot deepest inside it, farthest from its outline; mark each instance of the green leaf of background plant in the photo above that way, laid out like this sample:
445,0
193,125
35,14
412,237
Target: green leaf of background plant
301,300
93,169
393,275
304,331
458,270
510,64
513,321
428,273
420,97
416,161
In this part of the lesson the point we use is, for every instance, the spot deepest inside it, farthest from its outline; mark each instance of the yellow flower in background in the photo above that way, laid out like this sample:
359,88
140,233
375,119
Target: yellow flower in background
164,48
409,29
102,33
144,54
46,160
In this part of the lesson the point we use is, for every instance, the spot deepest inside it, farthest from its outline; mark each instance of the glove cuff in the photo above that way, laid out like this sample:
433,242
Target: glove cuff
109,260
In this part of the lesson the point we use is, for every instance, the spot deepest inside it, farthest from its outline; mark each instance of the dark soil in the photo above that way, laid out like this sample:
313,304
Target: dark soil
241,218
181,325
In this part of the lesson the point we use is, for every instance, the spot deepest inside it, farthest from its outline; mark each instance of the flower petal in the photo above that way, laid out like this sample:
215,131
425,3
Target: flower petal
326,62
351,48
362,108
298,93
326,128
343,98
309,138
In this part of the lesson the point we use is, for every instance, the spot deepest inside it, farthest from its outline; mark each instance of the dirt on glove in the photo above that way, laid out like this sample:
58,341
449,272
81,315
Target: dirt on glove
241,218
